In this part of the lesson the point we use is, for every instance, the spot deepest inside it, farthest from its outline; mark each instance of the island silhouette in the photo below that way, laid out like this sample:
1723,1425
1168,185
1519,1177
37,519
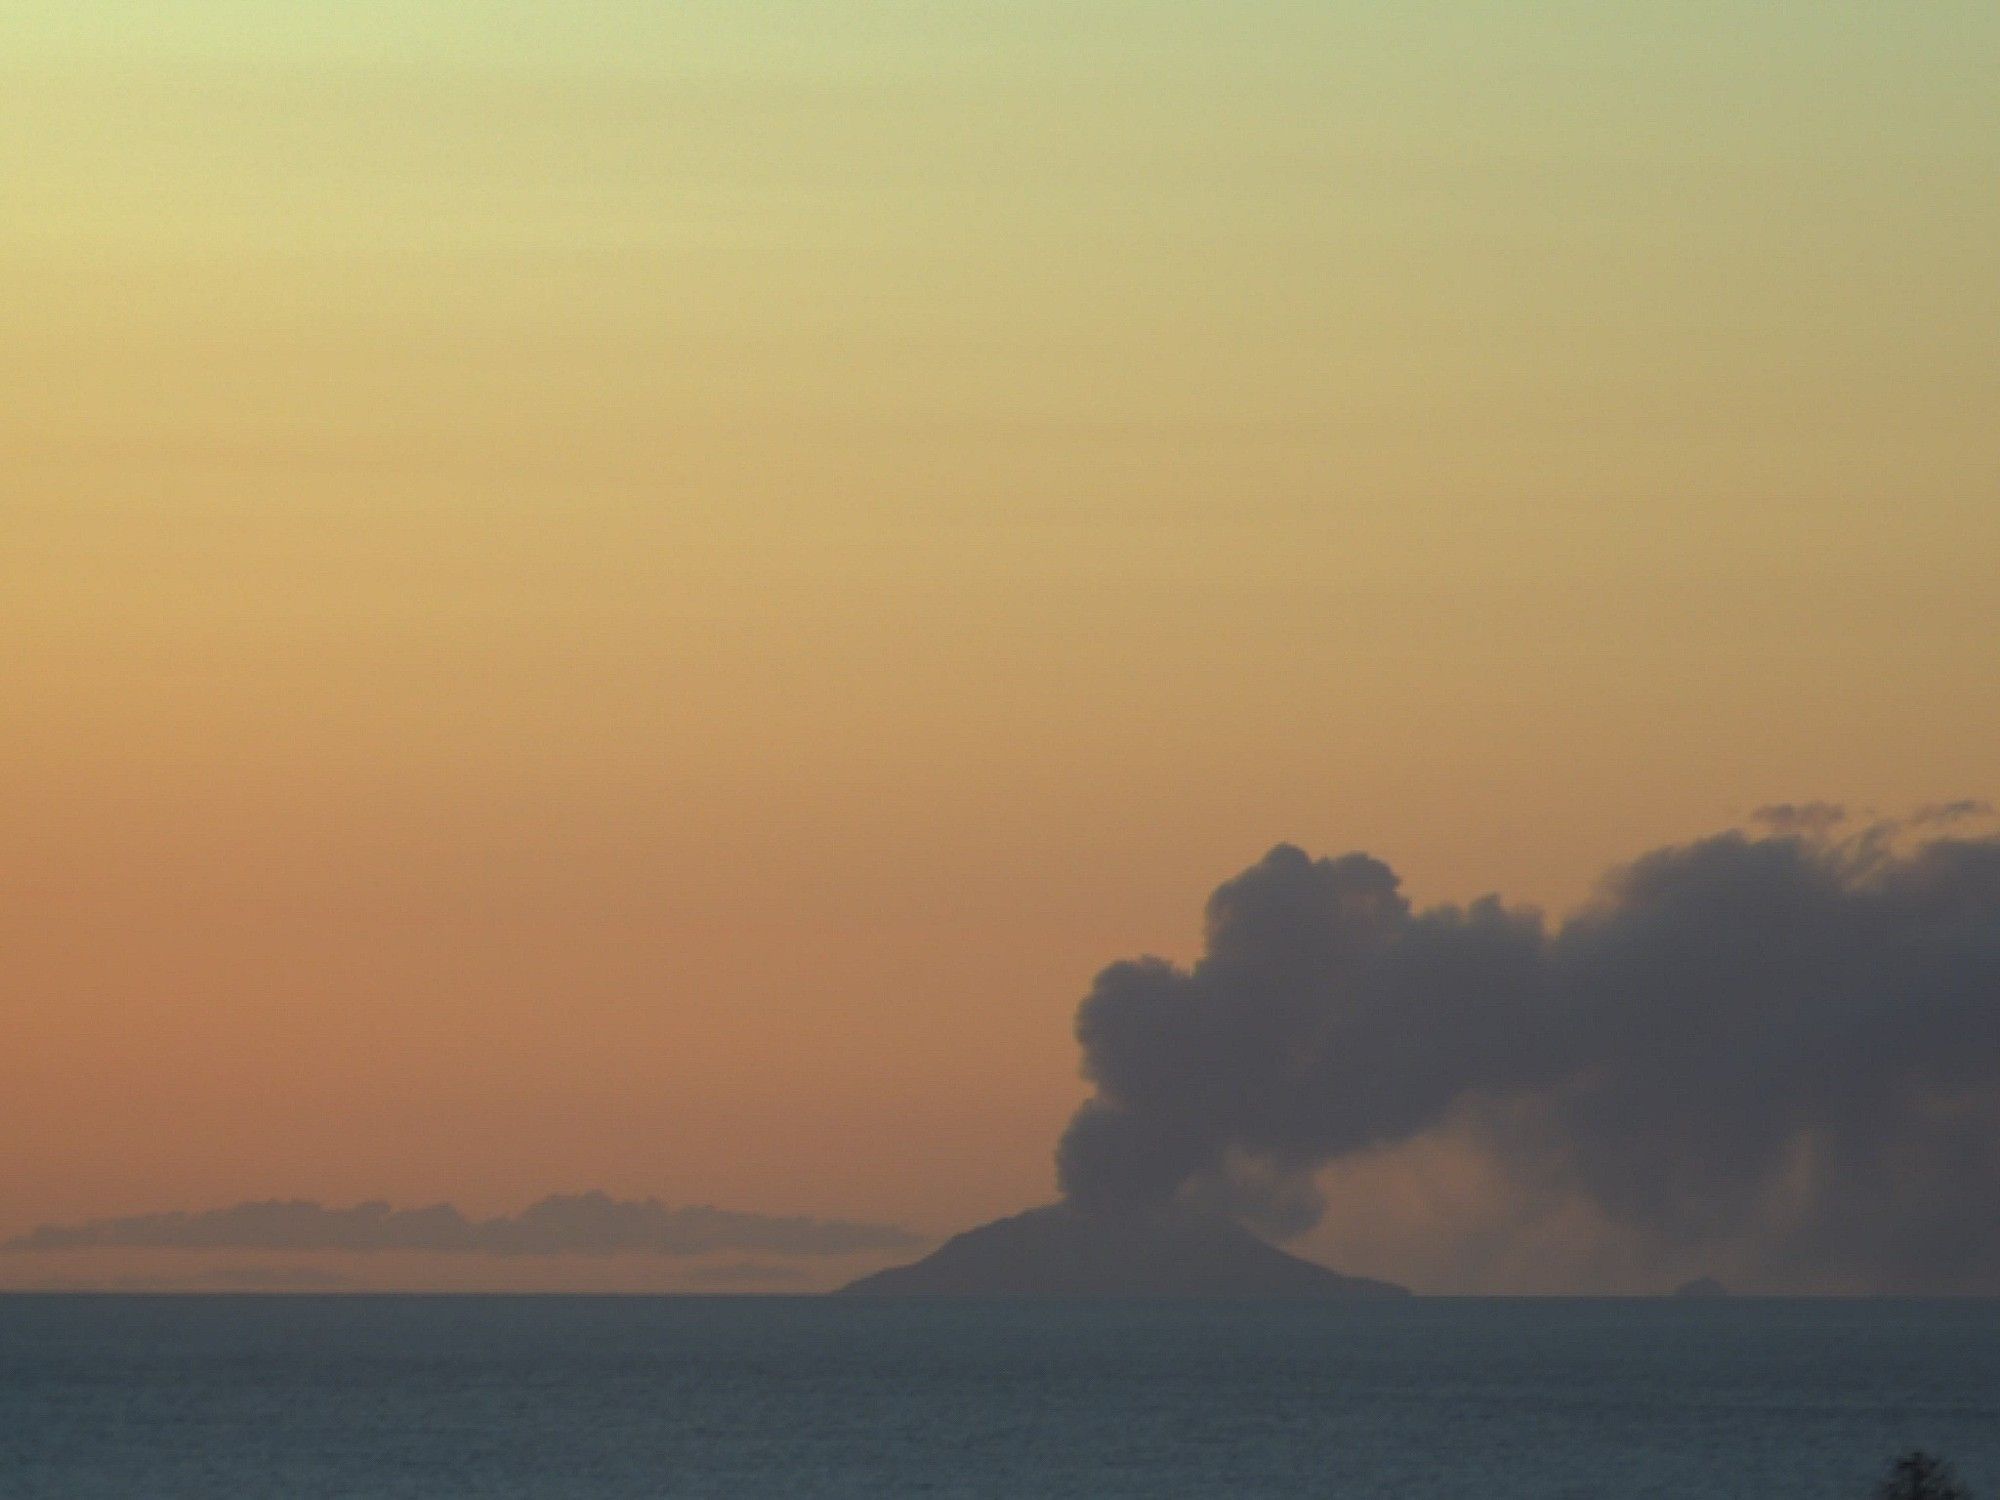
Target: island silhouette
1701,1287
1065,1251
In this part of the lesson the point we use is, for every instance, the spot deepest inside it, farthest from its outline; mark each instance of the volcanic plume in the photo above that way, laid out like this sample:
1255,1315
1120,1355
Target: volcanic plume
1781,1045
1775,1050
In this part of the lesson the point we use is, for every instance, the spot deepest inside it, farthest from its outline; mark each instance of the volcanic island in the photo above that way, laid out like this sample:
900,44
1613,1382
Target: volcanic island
1065,1251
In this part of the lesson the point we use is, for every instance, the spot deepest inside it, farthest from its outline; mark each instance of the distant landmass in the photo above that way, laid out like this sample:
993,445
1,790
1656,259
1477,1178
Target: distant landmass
1701,1286
1063,1251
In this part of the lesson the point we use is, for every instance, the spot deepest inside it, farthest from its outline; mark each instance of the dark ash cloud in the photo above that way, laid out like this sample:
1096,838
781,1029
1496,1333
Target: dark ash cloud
1775,1051
562,1224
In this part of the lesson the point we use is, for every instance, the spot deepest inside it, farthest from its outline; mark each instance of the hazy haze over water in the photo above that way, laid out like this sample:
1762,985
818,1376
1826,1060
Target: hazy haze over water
367,1398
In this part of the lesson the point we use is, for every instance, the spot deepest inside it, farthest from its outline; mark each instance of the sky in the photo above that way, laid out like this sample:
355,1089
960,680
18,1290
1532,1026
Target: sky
636,598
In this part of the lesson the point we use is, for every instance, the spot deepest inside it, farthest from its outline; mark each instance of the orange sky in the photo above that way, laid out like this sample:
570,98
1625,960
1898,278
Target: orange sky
641,605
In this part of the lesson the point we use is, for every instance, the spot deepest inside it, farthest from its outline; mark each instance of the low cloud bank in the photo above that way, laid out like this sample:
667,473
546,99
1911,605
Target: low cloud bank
746,1274
562,1224
1774,1050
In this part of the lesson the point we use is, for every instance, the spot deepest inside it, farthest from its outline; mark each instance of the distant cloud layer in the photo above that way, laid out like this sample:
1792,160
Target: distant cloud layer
1776,1051
562,1224
745,1273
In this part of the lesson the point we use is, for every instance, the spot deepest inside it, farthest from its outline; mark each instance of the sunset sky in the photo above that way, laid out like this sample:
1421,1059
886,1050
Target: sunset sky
636,596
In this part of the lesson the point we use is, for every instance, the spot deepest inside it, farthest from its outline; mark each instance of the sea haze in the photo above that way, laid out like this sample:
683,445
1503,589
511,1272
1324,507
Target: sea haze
581,1398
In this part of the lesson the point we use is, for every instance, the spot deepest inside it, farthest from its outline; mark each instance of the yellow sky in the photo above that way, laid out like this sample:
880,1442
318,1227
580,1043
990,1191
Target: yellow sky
636,596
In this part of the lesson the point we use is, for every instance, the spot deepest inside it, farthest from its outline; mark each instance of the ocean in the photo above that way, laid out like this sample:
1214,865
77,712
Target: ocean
587,1398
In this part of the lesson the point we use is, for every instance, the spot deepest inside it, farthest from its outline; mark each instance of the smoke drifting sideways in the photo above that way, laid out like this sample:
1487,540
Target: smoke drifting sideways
562,1224
1775,1050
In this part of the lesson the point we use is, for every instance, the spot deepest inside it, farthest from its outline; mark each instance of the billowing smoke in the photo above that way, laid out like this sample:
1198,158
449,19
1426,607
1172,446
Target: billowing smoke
1777,1050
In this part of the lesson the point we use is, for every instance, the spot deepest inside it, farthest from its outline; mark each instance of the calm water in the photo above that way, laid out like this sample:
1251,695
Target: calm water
296,1397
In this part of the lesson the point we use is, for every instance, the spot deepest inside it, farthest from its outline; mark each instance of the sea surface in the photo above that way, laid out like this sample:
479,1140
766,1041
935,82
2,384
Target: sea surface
578,1398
